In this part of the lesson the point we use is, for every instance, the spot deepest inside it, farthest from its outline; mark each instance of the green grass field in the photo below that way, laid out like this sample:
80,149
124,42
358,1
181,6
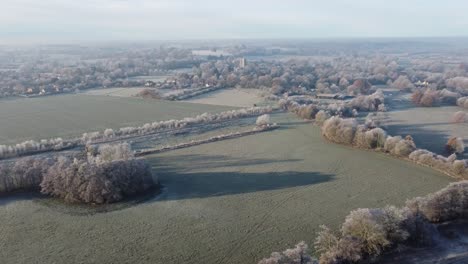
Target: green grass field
233,201
71,115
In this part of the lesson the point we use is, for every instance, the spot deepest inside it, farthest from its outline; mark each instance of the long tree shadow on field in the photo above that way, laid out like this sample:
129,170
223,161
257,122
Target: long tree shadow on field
184,184
182,163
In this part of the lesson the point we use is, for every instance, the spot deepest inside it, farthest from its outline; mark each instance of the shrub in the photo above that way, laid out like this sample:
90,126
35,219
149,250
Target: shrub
339,130
399,147
347,250
403,83
109,133
362,225
455,145
111,152
23,175
107,174
297,255
463,102
321,117
459,166
92,182
447,204
368,102
365,232
460,117
416,97
325,240
427,99
375,137
150,94
307,111
369,138
263,120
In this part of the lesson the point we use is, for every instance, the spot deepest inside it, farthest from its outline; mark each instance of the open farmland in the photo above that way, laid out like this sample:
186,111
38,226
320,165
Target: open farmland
239,97
233,201
71,115
116,91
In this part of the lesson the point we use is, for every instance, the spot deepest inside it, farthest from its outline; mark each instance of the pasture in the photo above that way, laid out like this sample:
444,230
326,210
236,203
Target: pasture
73,114
233,201
236,97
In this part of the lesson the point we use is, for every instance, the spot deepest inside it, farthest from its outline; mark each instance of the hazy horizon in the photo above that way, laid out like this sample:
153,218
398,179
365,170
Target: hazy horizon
53,21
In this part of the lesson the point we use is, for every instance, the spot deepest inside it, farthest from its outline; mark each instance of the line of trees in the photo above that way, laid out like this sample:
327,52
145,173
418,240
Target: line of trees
32,147
263,124
349,132
430,97
309,110
175,124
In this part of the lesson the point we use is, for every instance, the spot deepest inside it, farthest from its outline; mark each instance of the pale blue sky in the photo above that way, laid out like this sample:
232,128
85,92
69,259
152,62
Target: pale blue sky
87,20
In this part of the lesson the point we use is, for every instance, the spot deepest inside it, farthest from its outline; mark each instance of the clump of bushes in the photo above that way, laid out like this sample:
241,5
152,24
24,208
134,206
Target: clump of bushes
307,111
402,83
397,146
427,98
31,146
339,130
460,117
372,102
450,203
446,164
321,117
455,145
263,120
463,102
105,176
149,94
347,131
369,139
372,120
365,233
297,255
23,175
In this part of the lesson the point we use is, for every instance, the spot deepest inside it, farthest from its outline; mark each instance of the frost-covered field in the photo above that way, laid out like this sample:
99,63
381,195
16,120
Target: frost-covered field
71,115
230,97
117,91
233,201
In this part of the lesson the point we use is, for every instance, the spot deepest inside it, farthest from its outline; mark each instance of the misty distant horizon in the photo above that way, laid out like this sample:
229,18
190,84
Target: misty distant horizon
64,22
